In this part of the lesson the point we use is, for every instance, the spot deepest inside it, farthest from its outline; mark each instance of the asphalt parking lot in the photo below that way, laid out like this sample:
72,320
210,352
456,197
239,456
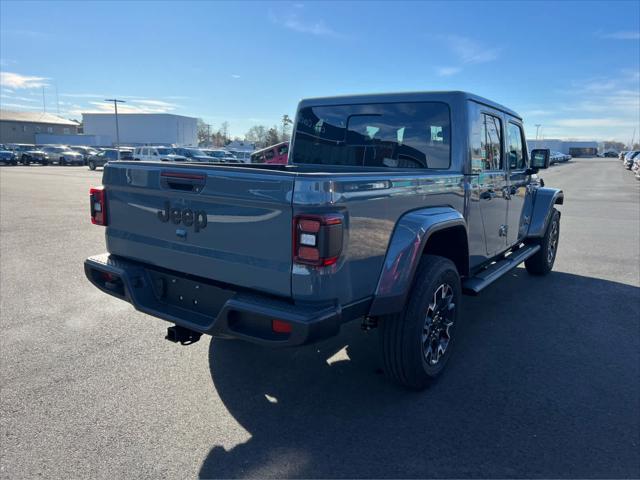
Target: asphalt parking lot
545,381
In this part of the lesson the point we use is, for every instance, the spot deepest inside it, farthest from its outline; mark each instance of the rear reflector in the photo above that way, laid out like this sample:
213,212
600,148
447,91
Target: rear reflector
280,326
98,205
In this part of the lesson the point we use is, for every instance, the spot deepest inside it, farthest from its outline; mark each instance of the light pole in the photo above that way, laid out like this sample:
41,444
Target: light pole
538,125
115,106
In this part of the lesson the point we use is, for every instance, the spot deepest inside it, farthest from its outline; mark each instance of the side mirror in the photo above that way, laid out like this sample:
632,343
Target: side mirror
540,158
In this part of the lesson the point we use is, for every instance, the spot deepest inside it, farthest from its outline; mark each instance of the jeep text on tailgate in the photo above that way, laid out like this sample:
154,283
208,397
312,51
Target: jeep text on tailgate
398,205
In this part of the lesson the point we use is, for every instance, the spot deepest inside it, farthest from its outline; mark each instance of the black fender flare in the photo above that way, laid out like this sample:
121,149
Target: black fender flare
543,202
407,243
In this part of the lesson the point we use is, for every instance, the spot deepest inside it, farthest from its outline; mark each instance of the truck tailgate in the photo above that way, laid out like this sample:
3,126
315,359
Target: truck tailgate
227,224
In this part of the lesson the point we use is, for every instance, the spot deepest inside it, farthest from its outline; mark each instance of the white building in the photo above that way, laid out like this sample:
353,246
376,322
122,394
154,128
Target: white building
571,147
143,128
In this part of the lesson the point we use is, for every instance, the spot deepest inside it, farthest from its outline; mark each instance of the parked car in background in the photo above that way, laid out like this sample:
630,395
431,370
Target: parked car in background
108,155
63,155
277,154
629,158
610,154
86,152
622,155
8,157
157,154
193,154
244,157
222,156
555,157
28,153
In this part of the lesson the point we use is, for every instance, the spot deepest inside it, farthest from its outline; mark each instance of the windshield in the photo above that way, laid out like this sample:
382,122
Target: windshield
395,135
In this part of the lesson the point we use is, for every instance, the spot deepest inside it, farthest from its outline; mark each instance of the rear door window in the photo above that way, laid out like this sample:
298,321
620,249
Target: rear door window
486,144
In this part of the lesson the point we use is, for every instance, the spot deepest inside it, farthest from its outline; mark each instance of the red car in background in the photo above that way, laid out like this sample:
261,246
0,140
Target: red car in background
275,154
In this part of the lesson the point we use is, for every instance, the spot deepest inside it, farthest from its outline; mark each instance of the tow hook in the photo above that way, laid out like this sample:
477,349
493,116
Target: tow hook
184,336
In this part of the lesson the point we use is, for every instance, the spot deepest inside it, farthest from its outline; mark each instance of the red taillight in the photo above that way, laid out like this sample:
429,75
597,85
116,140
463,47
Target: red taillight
317,239
98,204
280,326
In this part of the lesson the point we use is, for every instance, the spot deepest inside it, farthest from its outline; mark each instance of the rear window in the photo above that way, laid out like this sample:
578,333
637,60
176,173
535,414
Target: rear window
393,135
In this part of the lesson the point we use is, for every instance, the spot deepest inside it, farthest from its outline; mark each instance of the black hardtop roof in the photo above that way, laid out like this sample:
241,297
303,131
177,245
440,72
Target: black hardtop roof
433,96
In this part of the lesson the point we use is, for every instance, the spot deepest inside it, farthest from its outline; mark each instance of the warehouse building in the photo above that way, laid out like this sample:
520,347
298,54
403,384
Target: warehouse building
22,127
570,147
143,128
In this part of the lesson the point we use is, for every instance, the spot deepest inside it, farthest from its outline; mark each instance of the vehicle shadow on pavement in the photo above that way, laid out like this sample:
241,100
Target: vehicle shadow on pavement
520,397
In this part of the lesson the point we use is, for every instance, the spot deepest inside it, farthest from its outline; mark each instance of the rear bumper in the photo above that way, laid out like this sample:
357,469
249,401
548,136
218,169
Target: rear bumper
217,310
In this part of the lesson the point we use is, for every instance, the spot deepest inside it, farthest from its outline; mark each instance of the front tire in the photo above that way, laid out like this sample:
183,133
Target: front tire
25,160
416,343
92,165
542,262
62,162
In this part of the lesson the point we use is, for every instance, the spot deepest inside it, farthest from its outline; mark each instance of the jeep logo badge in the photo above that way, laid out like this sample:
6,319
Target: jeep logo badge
197,219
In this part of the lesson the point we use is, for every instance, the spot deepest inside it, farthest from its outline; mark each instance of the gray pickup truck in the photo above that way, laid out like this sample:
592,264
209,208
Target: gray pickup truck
391,208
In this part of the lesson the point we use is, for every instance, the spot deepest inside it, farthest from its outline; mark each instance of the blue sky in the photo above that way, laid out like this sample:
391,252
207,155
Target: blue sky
572,67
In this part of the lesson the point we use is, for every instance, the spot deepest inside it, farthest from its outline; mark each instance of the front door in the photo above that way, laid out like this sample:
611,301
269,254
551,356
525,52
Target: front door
517,224
488,163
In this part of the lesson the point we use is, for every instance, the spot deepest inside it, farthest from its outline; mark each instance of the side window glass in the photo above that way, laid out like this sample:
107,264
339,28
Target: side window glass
515,151
486,144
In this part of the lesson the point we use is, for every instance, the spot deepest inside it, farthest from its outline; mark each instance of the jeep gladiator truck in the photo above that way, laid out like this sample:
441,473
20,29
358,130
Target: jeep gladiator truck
391,208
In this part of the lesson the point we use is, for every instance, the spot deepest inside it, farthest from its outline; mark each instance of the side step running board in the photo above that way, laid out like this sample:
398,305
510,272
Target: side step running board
484,278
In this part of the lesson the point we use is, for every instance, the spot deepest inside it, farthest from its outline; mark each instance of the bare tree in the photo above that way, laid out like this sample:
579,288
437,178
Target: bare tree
204,132
258,135
224,130
272,136
286,121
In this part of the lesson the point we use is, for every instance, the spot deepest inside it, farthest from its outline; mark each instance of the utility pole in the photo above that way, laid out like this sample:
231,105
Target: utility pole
208,135
632,139
115,106
538,125
44,105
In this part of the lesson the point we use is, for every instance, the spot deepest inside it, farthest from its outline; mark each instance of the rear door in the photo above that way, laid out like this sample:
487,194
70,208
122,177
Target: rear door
227,224
487,162
517,163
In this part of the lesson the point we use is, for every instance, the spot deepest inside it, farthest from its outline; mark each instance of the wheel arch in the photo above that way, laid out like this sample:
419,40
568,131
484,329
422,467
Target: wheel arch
544,200
435,231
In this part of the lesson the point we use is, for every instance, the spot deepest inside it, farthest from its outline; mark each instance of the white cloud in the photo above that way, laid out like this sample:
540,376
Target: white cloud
470,51
235,75
467,51
83,95
138,106
18,81
12,98
622,35
292,21
447,71
591,122
21,106
597,108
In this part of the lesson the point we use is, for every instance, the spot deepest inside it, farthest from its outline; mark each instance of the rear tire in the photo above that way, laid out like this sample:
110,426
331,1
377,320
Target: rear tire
25,160
542,262
62,162
416,343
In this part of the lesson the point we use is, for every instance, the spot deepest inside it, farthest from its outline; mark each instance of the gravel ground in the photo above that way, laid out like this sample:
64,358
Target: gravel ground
544,382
